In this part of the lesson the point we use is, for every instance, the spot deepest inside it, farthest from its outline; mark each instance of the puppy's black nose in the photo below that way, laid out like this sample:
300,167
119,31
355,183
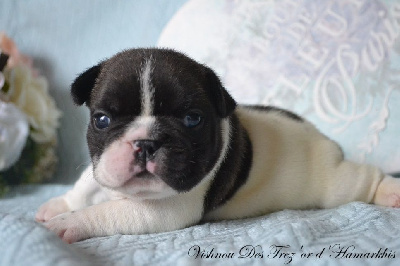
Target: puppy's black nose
145,149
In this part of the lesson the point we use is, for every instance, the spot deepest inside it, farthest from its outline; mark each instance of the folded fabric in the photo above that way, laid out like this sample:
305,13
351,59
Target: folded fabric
356,234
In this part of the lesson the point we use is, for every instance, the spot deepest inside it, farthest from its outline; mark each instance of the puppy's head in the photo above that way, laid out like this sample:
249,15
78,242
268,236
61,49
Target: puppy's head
156,121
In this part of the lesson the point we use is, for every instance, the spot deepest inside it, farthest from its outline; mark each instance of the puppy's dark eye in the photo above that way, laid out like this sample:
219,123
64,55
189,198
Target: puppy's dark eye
192,119
101,121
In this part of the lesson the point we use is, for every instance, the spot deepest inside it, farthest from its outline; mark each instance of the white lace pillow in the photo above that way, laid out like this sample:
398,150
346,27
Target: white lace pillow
335,62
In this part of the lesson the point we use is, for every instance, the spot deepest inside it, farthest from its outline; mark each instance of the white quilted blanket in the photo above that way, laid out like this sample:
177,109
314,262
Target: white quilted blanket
353,234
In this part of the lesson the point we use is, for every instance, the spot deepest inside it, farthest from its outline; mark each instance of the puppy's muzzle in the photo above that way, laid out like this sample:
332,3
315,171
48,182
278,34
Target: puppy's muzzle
145,150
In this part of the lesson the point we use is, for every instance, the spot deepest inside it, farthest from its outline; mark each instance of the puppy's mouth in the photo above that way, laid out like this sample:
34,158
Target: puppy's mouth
143,168
144,181
139,179
144,174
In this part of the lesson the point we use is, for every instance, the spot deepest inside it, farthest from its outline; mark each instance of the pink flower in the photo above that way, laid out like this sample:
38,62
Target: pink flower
8,46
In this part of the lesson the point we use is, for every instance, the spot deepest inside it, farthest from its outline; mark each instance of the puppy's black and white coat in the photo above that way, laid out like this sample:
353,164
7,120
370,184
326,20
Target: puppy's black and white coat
170,147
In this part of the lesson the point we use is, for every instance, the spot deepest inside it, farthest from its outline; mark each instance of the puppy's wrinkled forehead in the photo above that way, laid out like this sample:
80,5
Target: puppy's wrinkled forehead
149,84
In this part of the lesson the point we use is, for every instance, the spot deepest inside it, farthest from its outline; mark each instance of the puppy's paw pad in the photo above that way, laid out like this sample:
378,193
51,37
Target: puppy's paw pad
51,209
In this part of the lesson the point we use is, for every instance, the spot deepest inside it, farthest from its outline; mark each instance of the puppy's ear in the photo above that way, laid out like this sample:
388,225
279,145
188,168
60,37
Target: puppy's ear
223,102
82,87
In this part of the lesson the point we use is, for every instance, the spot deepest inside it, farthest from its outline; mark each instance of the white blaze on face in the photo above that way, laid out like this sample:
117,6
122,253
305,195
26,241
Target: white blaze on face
147,88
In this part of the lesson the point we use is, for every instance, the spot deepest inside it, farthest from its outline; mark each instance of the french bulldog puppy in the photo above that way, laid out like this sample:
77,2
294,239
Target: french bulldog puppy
170,147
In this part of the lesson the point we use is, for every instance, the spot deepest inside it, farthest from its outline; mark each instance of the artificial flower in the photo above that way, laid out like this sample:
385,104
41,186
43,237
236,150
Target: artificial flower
30,94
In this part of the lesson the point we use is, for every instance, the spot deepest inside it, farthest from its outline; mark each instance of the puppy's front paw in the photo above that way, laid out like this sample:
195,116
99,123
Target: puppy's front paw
52,208
68,226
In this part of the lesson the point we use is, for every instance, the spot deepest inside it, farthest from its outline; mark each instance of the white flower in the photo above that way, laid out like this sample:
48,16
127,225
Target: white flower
30,94
14,131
